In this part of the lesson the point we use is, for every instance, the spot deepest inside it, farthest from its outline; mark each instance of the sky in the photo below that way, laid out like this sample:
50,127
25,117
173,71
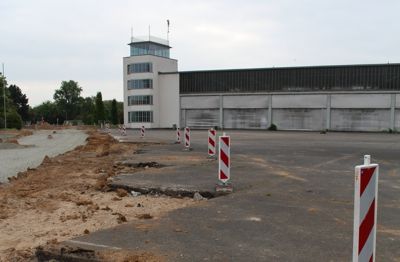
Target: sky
45,42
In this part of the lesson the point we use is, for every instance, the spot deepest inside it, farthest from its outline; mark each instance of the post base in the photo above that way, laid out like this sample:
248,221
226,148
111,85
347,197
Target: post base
223,188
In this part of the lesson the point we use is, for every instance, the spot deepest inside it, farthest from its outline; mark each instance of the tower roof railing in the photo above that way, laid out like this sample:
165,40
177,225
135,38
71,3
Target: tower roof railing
138,39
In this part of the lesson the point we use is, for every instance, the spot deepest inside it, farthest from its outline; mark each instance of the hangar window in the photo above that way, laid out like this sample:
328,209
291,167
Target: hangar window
140,68
140,117
140,84
140,100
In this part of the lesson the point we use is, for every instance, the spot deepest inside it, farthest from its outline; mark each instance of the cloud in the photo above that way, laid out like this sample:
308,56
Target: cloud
44,42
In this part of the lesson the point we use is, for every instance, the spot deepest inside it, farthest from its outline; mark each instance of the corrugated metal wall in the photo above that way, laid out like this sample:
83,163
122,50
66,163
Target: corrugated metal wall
314,78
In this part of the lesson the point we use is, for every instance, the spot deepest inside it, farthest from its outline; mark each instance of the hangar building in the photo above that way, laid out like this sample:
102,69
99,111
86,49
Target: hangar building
337,97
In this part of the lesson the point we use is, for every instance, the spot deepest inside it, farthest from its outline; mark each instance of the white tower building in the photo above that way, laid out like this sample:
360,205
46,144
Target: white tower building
151,85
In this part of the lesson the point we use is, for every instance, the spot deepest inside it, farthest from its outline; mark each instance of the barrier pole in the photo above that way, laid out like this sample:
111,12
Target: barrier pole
365,210
212,134
142,132
187,139
178,136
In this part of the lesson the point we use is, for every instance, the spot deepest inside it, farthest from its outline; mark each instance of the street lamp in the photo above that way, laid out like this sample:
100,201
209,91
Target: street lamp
4,99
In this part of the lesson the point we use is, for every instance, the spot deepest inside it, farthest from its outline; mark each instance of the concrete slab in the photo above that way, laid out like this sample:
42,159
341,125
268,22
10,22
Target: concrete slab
293,200
182,173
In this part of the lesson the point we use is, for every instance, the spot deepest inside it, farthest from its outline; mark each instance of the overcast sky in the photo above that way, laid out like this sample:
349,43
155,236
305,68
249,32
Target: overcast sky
44,42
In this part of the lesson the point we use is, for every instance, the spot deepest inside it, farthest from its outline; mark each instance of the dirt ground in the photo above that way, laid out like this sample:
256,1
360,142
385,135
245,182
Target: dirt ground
11,136
68,196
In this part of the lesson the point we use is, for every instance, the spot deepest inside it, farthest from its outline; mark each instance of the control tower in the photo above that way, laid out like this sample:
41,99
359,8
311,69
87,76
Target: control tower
151,84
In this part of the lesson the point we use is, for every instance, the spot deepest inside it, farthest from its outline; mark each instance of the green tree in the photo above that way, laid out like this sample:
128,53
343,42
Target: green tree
9,104
114,112
87,110
49,112
67,98
20,101
120,106
108,104
100,114
13,118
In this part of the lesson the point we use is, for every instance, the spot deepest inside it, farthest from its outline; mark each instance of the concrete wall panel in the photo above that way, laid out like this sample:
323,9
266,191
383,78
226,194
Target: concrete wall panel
397,119
299,119
260,101
349,112
397,100
203,118
194,102
360,101
246,118
169,105
360,119
299,101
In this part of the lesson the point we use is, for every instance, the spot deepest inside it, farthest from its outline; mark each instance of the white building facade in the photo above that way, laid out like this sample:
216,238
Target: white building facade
149,75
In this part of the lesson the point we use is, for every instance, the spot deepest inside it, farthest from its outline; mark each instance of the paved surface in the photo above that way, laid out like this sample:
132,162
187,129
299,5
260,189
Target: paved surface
34,148
293,199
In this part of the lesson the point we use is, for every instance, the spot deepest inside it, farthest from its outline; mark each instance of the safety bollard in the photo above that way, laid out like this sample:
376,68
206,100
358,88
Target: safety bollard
365,210
142,132
212,134
178,136
187,139
224,165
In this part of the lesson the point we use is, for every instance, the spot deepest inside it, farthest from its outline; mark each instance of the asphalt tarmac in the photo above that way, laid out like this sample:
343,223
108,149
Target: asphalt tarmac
292,200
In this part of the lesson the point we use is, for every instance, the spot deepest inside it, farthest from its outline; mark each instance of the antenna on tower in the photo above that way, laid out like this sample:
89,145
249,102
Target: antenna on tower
131,34
149,32
168,30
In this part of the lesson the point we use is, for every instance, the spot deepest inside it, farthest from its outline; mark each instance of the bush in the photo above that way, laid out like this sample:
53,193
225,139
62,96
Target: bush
272,127
14,120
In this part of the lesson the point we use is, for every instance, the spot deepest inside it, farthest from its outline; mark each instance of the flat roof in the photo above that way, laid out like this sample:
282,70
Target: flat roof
149,39
134,43
286,67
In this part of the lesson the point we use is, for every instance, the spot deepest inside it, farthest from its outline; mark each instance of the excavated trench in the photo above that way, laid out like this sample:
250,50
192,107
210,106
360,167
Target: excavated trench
177,192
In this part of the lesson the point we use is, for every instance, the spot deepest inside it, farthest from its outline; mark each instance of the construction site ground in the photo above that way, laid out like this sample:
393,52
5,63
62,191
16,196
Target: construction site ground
292,199
67,196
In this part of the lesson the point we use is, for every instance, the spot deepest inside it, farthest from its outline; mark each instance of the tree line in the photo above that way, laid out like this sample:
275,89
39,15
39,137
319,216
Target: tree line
67,105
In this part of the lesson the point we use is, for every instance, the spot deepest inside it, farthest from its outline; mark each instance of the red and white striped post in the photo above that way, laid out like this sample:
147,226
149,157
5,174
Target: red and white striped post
142,132
123,130
178,136
365,211
212,135
187,138
224,166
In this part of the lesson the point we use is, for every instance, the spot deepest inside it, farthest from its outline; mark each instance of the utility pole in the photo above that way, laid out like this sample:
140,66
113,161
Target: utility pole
4,99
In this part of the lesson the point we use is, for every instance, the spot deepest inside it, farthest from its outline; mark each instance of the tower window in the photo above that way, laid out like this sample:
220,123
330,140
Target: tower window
140,117
140,68
140,100
140,84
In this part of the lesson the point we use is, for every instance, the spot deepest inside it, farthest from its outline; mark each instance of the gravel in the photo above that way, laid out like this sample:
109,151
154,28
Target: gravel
37,146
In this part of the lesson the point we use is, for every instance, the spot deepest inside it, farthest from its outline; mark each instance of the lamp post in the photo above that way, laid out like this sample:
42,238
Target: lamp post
4,98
